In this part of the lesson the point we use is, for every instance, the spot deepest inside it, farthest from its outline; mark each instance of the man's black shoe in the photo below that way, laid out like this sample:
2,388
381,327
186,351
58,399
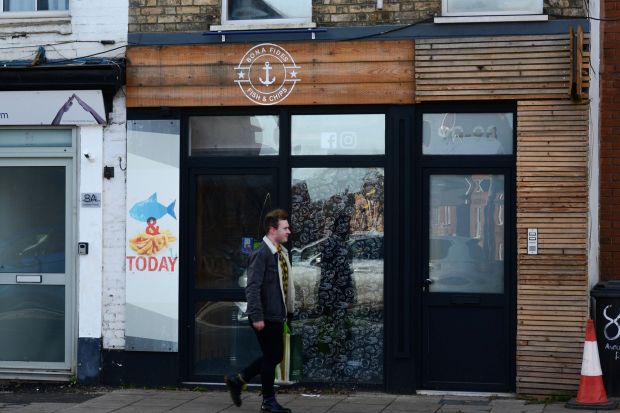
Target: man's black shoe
234,385
272,406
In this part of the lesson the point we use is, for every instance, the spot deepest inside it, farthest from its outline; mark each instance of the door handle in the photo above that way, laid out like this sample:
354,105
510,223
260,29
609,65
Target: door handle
426,284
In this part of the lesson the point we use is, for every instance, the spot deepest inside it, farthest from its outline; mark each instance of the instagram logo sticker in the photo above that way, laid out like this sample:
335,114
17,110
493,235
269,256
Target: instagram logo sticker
348,140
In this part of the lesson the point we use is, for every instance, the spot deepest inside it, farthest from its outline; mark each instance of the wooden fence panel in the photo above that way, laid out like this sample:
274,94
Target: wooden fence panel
509,67
552,195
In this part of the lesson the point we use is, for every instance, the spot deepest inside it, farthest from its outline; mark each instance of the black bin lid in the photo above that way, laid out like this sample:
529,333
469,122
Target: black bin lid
607,289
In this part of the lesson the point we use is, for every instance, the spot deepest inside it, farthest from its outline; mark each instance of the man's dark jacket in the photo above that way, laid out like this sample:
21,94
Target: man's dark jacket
263,292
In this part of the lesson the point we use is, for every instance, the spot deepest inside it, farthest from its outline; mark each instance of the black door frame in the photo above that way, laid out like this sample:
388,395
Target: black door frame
463,164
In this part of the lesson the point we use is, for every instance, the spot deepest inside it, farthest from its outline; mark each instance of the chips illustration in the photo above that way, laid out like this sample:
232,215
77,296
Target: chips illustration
147,244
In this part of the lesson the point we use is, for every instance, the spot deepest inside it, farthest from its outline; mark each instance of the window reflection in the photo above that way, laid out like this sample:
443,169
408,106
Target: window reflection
223,340
29,5
268,9
234,135
493,7
30,316
467,133
467,233
228,224
337,257
32,219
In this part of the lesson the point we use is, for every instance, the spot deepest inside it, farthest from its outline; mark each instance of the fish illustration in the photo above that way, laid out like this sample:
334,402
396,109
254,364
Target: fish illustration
150,208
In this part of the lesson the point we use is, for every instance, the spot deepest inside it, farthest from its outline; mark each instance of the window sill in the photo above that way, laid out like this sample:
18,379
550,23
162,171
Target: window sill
492,19
36,22
261,26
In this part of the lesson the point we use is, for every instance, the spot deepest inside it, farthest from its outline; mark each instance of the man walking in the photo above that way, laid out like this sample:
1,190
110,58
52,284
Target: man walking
270,295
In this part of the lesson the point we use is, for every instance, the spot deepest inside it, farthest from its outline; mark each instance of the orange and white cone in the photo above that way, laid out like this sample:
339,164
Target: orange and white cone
591,394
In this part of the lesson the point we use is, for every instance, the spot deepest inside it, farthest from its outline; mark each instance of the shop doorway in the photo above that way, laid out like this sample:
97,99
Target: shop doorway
36,264
226,210
466,311
466,260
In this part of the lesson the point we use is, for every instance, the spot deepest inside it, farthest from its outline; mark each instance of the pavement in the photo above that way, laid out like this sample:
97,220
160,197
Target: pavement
215,401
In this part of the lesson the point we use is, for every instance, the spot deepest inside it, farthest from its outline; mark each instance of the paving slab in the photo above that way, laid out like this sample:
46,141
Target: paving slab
215,401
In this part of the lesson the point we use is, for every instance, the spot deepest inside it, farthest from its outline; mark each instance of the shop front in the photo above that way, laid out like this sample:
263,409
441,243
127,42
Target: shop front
401,175
41,175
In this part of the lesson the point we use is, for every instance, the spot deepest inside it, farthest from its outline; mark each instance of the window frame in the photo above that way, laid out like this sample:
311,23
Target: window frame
227,23
35,12
445,11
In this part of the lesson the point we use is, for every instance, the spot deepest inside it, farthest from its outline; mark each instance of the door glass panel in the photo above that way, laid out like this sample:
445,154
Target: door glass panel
234,135
32,219
337,257
228,223
223,340
466,244
467,134
32,323
338,134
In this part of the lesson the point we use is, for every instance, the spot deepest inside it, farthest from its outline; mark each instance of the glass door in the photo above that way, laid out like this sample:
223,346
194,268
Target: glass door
226,211
35,222
466,319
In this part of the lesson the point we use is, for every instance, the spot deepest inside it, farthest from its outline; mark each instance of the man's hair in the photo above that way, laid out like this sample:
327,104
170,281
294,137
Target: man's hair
273,218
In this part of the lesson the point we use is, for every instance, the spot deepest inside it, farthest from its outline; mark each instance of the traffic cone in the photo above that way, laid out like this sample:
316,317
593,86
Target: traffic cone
591,394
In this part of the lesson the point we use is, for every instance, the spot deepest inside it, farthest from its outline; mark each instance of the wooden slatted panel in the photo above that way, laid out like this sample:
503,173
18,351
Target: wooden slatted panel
585,67
510,67
331,73
552,195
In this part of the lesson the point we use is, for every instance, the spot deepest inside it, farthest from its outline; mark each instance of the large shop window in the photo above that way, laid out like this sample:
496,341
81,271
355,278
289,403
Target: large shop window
337,247
333,168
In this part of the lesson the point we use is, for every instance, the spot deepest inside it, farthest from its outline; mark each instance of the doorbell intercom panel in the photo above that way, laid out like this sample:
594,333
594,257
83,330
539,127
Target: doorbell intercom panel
82,248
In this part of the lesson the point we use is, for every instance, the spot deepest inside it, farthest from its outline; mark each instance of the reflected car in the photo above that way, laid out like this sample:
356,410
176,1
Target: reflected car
38,250
458,264
365,252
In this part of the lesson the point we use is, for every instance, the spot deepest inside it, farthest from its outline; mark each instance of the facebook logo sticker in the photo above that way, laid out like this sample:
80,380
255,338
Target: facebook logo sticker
329,140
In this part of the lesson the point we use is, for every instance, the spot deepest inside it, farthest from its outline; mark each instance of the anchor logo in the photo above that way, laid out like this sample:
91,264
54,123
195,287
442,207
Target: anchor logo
267,74
267,82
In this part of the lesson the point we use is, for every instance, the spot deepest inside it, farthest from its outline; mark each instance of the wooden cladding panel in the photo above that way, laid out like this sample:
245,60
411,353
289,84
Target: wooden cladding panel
331,73
552,195
510,67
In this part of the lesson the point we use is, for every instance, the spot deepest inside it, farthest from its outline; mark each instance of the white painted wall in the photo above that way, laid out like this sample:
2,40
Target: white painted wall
65,35
594,172
114,219
89,230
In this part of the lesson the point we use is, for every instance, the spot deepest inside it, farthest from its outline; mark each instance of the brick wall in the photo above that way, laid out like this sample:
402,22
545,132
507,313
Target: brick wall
610,144
198,15
172,15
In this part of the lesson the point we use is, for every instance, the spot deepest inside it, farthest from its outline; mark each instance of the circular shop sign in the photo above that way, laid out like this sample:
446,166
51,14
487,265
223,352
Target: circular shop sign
267,74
